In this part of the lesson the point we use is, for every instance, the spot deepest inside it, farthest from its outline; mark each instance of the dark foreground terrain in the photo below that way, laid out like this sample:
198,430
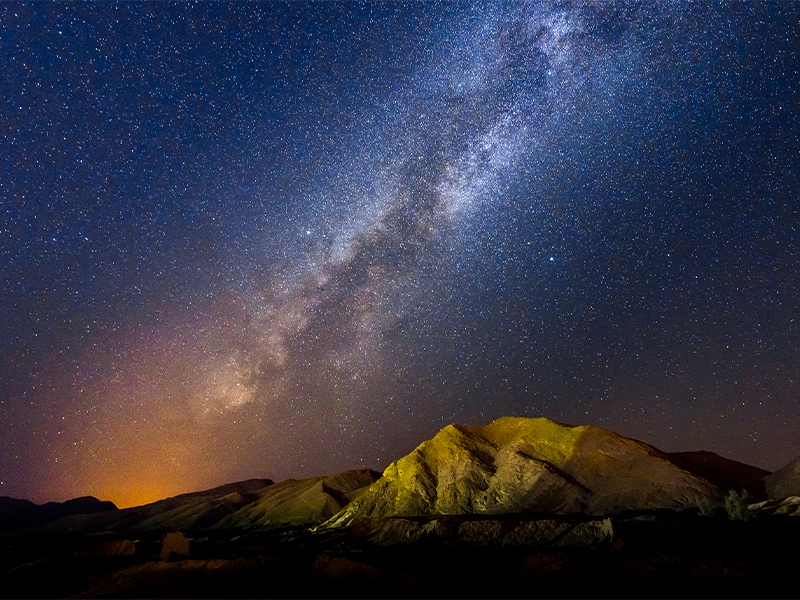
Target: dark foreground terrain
663,556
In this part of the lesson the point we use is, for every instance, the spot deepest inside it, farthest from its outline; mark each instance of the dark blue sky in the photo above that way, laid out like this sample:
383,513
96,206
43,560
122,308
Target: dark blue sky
267,239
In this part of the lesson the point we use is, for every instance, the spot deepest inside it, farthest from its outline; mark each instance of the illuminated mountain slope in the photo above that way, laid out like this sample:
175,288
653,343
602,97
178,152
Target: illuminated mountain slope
518,465
301,502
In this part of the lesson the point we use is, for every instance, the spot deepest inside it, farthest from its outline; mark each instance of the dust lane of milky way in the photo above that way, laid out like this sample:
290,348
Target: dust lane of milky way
286,239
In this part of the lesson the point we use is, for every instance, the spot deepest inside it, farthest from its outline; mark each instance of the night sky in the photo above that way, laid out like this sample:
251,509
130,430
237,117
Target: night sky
285,240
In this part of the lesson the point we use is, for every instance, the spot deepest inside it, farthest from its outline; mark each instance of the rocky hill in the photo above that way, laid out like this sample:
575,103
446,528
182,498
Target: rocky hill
187,511
722,472
301,502
784,482
534,466
255,503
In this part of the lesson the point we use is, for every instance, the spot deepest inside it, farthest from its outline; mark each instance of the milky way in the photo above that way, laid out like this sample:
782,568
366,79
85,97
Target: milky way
245,240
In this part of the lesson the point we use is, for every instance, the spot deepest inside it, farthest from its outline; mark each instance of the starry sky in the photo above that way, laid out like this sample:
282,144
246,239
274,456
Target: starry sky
284,239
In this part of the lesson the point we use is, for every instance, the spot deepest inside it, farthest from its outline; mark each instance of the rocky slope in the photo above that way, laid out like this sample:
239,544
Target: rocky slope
536,466
254,503
186,511
722,472
301,502
489,531
789,506
785,481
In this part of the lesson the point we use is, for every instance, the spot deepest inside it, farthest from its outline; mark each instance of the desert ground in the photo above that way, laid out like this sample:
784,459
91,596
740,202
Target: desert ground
652,555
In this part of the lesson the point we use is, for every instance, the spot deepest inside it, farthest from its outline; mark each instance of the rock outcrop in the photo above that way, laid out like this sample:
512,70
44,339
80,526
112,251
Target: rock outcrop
785,481
519,465
174,545
118,548
783,506
541,533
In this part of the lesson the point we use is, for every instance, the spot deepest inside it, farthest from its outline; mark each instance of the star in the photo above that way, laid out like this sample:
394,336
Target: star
307,235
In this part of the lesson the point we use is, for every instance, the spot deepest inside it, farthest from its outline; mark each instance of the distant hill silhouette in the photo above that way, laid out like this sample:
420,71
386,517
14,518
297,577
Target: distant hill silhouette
724,473
20,514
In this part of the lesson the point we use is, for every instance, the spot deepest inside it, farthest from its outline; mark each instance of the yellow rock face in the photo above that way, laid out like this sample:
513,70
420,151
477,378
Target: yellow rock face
520,465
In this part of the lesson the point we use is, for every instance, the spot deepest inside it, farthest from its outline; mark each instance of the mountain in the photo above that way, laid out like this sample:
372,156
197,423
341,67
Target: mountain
513,466
785,481
537,466
195,510
19,514
301,502
256,503
722,472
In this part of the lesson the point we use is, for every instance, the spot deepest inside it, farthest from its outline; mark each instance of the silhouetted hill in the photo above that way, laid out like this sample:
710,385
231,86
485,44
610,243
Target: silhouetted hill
724,473
20,514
